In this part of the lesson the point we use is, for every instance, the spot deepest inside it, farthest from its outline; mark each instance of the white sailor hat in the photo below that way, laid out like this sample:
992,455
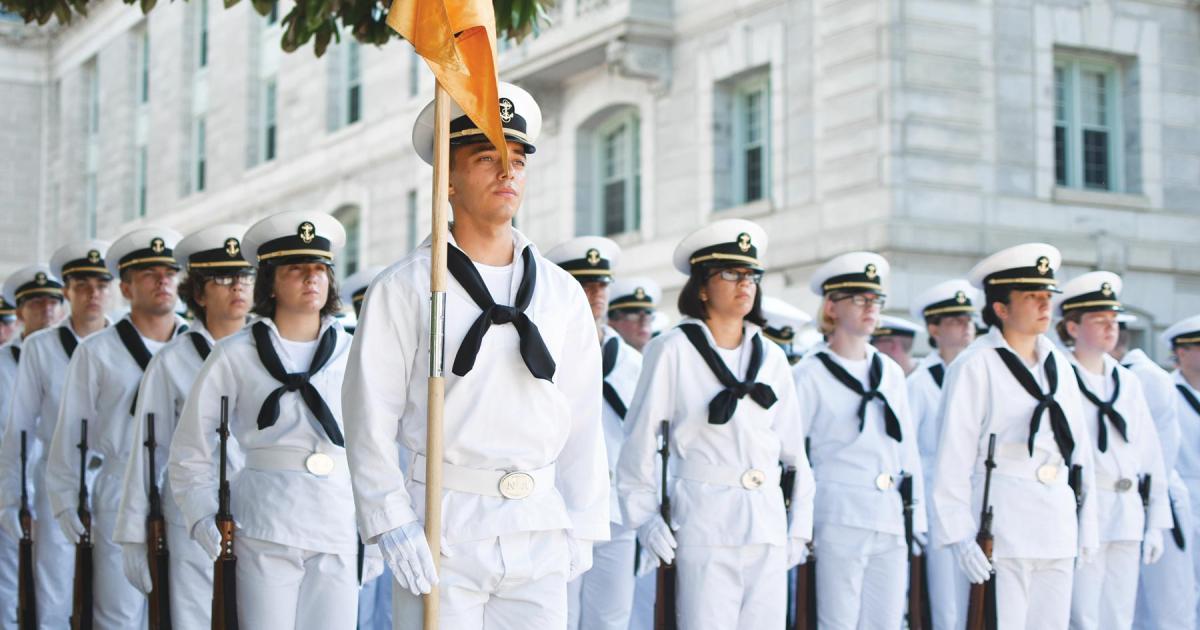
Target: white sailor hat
292,237
784,321
634,294
143,247
1028,267
1093,291
32,281
519,113
1185,332
952,297
82,258
892,326
588,258
853,272
216,249
1126,318
8,312
722,244
354,288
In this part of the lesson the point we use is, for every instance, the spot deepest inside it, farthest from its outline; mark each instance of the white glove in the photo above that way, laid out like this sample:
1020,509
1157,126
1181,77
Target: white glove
1152,546
647,562
407,553
971,560
656,536
797,552
206,534
137,566
581,556
10,520
72,527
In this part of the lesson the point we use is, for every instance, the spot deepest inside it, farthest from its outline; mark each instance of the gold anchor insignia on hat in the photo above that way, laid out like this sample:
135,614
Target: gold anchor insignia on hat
307,232
1043,265
593,257
232,247
639,293
960,297
507,111
1106,289
93,256
40,278
743,242
871,271
157,245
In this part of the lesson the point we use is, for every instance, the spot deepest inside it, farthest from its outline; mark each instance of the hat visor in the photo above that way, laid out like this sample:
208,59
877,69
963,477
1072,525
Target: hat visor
298,259
711,265
150,265
478,138
858,290
103,275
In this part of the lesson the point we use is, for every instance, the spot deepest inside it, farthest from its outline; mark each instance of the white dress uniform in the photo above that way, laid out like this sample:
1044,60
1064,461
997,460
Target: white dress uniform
1127,454
100,387
34,410
1037,527
9,359
602,598
733,419
163,391
1167,588
948,587
1187,332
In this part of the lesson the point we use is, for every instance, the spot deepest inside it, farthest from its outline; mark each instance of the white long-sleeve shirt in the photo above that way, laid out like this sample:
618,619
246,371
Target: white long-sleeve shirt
496,417
677,385
1032,520
624,379
1162,398
1188,462
1120,514
846,462
8,375
924,402
102,379
288,507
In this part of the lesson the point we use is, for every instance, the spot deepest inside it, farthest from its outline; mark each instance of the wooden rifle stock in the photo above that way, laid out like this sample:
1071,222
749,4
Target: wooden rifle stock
26,594
156,539
224,601
82,588
918,589
664,603
804,598
981,605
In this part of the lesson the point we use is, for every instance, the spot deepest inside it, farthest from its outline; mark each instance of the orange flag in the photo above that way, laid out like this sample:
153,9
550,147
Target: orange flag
457,38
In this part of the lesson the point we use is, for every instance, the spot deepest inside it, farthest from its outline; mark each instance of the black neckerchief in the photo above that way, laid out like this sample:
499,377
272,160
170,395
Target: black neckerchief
1189,397
1104,409
296,381
938,372
1046,401
67,338
611,347
200,344
890,422
132,340
722,406
16,353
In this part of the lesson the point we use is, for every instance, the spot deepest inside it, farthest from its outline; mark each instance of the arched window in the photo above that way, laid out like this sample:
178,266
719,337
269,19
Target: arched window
349,260
608,199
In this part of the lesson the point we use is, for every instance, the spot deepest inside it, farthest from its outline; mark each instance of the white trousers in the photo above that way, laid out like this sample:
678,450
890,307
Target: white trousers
1105,591
285,588
731,588
515,581
1033,594
602,598
862,578
1167,588
948,589
54,565
8,580
117,604
190,573
642,615
375,602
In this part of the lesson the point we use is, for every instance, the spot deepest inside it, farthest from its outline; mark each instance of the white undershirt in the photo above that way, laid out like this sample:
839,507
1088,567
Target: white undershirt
498,281
733,359
856,368
298,353
152,345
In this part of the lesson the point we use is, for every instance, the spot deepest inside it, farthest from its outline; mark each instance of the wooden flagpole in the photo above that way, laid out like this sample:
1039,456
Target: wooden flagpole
437,320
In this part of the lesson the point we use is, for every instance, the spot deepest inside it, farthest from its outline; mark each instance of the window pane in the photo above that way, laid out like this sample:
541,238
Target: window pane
1060,155
142,180
353,105
754,174
614,207
145,74
753,122
614,153
202,56
1060,94
1095,159
1092,95
200,154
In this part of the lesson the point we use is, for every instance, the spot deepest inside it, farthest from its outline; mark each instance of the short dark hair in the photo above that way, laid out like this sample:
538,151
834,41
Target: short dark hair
190,289
264,287
1002,295
691,305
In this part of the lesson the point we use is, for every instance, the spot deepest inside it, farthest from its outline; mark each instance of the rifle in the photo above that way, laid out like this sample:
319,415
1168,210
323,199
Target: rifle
26,595
156,537
918,588
1144,492
805,595
664,603
981,605
81,596
224,601
1075,480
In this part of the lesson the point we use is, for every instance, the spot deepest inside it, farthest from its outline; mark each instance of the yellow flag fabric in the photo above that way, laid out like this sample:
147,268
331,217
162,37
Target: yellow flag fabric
457,38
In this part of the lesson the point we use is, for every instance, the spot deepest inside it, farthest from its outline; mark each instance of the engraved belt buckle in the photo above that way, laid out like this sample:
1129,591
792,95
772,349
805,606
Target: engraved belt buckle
884,482
319,464
1124,485
753,479
516,485
1047,473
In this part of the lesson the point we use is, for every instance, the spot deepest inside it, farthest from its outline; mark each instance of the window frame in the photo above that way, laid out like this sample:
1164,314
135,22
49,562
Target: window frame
759,82
268,137
1073,66
352,80
632,172
202,31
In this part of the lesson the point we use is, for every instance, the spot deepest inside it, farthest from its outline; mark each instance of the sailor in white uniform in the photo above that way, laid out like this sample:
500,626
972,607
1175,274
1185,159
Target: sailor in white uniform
525,483
732,411
895,337
8,321
1132,510
854,403
100,388
1015,384
218,291
1183,338
602,598
784,322
632,306
947,308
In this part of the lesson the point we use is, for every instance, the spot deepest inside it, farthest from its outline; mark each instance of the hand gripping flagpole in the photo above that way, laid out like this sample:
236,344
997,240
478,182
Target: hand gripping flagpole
437,332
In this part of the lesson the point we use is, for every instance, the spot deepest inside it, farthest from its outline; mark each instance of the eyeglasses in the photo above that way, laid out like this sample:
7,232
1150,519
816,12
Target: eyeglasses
245,278
631,316
730,275
861,299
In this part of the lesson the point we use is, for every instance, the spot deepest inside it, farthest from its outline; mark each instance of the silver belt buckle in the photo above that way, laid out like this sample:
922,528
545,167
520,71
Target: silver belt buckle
884,482
319,464
1124,485
516,485
753,479
1047,473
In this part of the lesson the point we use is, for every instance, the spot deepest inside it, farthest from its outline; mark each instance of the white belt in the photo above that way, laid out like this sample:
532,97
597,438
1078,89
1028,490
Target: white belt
881,482
1114,484
508,484
316,463
750,479
1013,460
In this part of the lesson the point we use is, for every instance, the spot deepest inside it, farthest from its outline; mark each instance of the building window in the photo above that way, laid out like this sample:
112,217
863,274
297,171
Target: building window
92,152
268,119
200,158
345,93
92,73
411,208
414,74
90,205
350,258
144,67
202,34
742,139
353,82
141,180
1087,124
618,174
